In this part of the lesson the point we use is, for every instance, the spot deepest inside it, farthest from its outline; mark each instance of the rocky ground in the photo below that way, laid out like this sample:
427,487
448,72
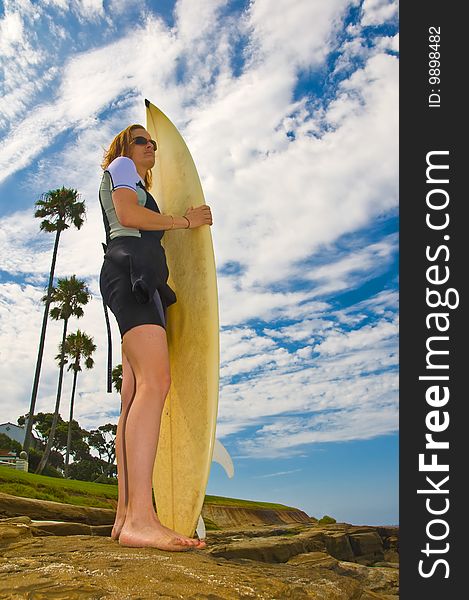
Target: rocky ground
42,560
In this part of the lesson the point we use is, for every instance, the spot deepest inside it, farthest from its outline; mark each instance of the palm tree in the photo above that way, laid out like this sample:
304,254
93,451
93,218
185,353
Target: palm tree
69,295
77,346
59,208
117,378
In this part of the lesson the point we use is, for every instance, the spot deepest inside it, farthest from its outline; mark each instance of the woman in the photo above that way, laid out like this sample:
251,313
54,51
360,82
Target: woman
133,283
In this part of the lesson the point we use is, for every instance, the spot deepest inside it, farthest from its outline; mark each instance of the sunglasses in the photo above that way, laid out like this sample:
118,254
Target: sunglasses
142,141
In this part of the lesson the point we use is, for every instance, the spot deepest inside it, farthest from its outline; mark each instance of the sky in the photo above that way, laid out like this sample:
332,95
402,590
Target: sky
290,111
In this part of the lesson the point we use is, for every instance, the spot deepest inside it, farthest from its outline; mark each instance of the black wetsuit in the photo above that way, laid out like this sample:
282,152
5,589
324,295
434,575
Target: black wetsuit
134,274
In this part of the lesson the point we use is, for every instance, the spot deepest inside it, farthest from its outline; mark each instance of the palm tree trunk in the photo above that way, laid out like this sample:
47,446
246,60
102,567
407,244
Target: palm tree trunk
32,406
69,434
50,441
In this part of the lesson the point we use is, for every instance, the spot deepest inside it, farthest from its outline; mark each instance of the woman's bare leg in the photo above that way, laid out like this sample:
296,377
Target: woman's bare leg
127,396
146,349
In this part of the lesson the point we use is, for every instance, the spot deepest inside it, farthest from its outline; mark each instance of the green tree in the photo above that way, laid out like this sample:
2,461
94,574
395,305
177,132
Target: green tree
117,378
77,346
85,466
69,295
7,443
41,423
103,440
59,209
87,469
326,520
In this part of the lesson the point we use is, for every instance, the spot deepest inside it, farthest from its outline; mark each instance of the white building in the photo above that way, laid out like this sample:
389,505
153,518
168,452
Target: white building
16,432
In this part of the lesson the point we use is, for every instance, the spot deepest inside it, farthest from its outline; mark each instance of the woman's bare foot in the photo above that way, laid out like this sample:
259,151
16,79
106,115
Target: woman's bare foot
119,524
157,536
116,530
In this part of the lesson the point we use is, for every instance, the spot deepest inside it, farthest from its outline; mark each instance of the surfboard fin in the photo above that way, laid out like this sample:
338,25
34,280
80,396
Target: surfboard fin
221,456
200,529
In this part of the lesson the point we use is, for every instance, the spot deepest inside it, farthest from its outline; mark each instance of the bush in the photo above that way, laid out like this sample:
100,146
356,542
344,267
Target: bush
84,470
6,443
327,520
51,471
34,458
106,480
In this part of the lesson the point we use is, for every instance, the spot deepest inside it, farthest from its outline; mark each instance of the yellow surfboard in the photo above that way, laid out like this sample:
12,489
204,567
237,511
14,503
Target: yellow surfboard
187,433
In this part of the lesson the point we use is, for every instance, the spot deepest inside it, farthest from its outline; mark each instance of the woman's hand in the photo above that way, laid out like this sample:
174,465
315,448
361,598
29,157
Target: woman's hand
201,215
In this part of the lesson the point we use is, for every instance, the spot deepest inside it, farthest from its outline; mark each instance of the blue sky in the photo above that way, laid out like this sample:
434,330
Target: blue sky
290,112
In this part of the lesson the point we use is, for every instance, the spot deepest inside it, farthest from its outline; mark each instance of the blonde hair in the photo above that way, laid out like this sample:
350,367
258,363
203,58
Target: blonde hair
120,146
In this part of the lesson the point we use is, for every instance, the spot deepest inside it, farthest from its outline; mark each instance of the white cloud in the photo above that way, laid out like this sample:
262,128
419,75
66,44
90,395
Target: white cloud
376,12
382,302
350,376
85,10
120,7
300,32
343,405
196,20
340,426
239,302
354,268
277,474
22,250
59,4
388,43
278,201
20,55
21,313
11,29
89,9
369,336
277,205
254,221
303,331
90,83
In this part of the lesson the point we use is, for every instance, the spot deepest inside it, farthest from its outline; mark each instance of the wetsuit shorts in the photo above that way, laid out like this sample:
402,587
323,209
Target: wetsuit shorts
133,278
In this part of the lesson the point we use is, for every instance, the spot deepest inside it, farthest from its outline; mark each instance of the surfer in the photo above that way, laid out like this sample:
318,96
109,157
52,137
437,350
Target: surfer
133,284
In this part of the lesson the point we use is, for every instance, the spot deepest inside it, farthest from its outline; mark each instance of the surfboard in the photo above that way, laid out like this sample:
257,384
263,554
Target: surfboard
188,423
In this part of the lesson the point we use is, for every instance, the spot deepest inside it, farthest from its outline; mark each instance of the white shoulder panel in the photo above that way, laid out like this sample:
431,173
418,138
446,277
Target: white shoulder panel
123,173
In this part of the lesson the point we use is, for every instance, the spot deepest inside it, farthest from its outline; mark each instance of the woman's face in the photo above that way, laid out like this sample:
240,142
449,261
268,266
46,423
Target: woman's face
142,155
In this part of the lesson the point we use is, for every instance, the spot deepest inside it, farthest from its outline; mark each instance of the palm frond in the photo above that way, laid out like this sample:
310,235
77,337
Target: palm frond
62,208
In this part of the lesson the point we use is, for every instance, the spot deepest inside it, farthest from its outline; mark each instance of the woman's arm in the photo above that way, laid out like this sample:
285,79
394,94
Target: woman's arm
131,214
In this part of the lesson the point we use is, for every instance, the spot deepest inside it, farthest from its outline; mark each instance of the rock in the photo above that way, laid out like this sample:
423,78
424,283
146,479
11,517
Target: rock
276,554
391,556
52,528
270,550
381,580
338,545
384,563
268,562
367,547
13,506
232,516
44,528
354,544
315,559
387,532
261,545
92,568
222,516
21,519
234,533
13,532
104,530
